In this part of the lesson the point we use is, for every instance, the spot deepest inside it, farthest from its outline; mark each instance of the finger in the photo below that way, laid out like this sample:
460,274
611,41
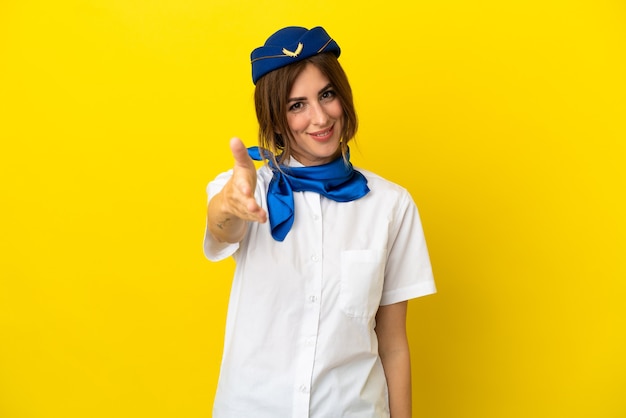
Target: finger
240,153
243,186
241,201
251,211
258,214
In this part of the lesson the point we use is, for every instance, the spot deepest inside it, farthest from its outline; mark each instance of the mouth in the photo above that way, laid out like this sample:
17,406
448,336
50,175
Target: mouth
324,135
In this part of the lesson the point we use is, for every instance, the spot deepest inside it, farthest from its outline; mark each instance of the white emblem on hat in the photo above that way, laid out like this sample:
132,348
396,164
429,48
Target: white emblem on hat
295,53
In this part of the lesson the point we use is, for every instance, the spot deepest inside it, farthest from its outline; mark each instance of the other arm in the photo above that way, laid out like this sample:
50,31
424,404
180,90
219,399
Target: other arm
393,348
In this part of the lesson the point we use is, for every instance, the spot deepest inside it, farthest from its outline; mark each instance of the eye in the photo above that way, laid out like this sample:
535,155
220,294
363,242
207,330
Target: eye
328,95
296,107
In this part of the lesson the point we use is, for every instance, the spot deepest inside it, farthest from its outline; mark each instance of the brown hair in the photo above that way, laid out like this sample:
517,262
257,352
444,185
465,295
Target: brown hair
271,95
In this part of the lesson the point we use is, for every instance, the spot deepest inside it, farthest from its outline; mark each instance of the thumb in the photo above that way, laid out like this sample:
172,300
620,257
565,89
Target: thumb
240,153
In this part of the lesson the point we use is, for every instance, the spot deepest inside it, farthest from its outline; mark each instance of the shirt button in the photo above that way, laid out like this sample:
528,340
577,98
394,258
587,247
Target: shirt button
312,298
315,217
310,341
315,258
303,389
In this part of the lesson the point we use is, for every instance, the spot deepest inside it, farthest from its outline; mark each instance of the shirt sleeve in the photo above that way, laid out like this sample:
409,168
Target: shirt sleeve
408,272
215,250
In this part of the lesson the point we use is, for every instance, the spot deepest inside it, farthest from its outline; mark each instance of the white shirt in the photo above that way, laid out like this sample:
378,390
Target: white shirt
300,338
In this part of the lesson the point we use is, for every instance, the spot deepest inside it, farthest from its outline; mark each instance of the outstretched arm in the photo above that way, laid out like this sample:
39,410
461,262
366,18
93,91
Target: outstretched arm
393,348
230,210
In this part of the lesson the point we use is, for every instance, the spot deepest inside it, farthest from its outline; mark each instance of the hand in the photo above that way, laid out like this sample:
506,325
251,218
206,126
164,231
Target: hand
238,192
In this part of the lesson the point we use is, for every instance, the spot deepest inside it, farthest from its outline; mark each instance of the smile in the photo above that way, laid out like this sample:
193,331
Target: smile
323,135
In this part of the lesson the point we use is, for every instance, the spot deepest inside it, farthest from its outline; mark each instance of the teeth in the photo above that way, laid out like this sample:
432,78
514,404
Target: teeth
323,133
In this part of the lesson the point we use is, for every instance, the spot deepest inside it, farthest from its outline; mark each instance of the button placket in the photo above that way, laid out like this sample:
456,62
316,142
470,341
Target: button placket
309,326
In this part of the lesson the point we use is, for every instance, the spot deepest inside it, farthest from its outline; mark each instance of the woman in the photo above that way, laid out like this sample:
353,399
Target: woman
317,314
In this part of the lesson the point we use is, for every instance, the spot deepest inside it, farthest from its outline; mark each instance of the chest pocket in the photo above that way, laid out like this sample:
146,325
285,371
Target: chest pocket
362,278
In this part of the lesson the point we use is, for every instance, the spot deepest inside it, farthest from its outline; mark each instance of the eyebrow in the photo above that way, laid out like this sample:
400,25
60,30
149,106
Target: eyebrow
300,99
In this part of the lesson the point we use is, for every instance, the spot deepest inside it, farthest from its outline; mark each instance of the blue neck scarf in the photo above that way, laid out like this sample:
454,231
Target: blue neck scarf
336,180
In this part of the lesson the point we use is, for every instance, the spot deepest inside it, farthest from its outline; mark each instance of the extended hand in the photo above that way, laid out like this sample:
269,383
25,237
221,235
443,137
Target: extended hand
239,191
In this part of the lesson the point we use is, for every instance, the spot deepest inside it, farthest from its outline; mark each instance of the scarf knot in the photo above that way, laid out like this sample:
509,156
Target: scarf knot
336,180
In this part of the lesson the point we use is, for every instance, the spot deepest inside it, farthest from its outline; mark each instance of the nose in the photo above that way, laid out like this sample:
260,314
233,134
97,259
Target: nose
318,115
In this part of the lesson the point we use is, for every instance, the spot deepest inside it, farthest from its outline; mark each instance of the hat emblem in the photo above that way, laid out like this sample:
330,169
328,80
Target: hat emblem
294,53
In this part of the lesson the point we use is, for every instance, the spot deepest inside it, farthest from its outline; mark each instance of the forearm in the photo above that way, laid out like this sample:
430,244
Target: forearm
224,226
393,348
397,366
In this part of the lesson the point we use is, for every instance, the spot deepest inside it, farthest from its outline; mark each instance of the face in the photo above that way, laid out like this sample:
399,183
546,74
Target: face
315,118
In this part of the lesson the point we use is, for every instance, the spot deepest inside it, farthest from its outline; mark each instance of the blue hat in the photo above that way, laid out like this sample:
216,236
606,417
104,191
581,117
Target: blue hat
289,45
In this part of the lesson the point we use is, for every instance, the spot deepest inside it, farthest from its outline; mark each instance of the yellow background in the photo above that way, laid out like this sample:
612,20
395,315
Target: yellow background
505,120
